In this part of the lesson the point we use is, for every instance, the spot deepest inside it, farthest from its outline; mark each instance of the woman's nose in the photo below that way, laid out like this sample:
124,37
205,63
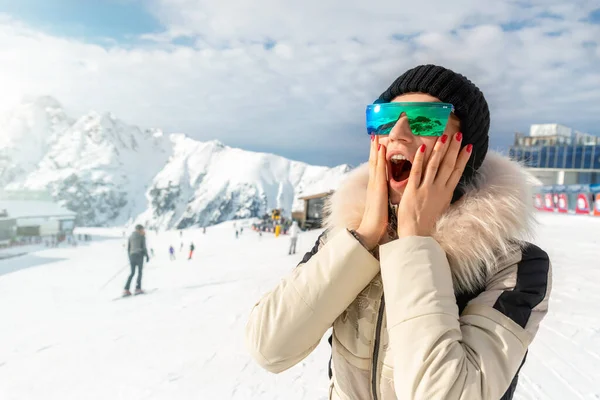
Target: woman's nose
401,131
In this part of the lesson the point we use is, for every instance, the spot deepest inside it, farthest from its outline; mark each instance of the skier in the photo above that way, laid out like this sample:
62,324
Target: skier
191,250
181,247
241,230
423,271
293,237
136,248
204,230
236,233
171,253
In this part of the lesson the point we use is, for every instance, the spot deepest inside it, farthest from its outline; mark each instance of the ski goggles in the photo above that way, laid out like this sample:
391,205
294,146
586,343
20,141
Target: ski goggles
425,119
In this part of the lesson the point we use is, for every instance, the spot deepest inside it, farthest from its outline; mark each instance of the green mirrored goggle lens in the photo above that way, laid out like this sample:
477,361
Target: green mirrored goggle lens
425,119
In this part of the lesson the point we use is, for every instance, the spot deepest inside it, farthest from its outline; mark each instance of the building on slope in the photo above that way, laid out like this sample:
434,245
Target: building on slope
565,165
8,228
558,155
311,216
35,215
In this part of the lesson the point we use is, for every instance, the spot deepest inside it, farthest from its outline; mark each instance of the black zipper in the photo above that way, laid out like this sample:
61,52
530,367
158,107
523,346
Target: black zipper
376,350
392,209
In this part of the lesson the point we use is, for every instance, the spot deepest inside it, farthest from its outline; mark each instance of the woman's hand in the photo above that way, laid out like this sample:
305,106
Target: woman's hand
429,189
375,218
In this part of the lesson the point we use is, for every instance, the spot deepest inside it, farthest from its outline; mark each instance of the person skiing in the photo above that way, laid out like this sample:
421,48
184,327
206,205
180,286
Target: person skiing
293,237
171,252
236,234
136,248
192,247
181,247
422,271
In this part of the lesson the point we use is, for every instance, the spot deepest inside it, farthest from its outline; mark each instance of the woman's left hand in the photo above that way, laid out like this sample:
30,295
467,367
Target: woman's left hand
429,189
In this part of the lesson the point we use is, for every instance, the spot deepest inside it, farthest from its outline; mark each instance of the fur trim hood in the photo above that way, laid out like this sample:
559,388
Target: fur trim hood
492,219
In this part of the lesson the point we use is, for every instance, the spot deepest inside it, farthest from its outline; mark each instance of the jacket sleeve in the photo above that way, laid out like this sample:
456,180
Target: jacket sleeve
144,248
441,355
287,324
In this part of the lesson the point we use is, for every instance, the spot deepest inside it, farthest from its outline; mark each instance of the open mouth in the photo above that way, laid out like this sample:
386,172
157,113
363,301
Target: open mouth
400,169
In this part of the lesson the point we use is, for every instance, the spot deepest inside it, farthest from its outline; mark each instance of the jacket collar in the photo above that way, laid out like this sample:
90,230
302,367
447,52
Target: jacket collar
491,221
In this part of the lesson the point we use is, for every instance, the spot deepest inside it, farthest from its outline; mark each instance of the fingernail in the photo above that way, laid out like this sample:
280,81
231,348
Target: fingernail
444,138
378,147
459,136
469,148
422,148
372,137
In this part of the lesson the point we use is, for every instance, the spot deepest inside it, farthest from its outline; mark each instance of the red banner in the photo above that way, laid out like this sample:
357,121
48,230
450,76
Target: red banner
548,202
583,204
562,203
597,204
539,202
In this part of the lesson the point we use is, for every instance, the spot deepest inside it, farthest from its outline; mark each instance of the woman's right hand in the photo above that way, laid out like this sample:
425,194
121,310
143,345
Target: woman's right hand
375,218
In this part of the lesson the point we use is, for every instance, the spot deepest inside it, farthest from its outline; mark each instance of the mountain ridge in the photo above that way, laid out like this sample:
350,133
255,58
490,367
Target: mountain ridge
112,173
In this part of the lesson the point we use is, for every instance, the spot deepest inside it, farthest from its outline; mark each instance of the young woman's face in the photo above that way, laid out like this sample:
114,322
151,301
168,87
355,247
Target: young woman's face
402,141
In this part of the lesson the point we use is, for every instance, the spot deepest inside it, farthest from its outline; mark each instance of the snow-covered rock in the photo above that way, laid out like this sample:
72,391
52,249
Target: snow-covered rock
111,173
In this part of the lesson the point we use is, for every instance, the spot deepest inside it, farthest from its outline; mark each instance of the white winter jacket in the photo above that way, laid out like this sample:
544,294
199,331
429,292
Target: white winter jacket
446,317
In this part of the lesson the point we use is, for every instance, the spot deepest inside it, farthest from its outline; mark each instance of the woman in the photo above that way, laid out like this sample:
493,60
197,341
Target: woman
423,271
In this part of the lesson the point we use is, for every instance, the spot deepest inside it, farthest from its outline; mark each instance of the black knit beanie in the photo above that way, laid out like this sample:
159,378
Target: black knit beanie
469,106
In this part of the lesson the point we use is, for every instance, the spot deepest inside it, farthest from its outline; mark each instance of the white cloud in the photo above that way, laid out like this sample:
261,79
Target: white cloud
307,93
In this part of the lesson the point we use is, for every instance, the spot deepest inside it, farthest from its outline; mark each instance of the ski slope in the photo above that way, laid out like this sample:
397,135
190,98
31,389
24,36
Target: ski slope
64,336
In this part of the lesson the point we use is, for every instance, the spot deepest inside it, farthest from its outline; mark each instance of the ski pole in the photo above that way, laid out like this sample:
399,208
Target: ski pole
113,277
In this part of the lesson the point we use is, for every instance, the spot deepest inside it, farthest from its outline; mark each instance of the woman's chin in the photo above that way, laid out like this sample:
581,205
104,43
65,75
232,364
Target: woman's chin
395,193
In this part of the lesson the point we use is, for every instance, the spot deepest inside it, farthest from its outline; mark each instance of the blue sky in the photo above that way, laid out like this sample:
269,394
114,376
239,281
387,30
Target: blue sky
293,79
95,21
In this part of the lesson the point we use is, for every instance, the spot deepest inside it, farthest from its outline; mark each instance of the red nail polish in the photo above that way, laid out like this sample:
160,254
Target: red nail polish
469,148
372,138
444,138
459,136
422,148
378,147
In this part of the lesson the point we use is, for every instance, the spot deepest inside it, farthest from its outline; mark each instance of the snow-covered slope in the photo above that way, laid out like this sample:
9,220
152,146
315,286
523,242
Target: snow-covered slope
185,339
112,173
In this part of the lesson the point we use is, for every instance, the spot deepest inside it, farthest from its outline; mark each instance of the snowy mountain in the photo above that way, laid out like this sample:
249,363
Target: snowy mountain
208,183
26,134
112,173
